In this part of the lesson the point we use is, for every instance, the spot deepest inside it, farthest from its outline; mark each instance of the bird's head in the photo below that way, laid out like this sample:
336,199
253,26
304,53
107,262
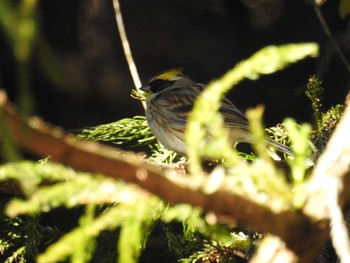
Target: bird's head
163,80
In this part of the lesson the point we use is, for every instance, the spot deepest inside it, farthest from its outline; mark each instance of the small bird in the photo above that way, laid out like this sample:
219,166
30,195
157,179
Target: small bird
170,98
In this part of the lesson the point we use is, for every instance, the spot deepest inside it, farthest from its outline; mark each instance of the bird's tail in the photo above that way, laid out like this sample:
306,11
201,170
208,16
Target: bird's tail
285,149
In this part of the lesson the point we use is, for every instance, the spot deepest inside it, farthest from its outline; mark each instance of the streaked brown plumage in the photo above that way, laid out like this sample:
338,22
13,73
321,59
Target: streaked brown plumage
171,97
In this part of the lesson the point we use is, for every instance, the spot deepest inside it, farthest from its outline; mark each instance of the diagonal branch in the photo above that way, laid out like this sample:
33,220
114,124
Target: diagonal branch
38,138
325,27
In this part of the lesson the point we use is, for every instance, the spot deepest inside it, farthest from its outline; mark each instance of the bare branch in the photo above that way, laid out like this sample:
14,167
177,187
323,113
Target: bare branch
126,47
330,178
316,5
292,227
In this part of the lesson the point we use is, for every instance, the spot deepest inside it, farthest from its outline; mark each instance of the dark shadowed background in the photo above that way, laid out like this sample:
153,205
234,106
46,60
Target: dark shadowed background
80,77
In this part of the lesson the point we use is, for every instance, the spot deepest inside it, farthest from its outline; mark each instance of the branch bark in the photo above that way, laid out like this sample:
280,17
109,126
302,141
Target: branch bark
327,189
303,234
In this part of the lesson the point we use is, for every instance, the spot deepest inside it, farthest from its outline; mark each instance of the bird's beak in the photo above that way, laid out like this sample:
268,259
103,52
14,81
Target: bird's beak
145,88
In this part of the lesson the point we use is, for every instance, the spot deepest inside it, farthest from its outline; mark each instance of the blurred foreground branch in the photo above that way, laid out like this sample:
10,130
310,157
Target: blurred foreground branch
304,235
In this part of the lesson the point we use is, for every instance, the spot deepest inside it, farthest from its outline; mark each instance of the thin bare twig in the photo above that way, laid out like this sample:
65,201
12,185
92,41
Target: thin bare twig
329,35
126,47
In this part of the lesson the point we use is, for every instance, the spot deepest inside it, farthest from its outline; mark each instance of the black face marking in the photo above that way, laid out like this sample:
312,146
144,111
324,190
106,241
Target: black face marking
159,84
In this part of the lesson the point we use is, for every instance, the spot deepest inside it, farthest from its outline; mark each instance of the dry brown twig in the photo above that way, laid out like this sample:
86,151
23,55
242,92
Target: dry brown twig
316,6
126,47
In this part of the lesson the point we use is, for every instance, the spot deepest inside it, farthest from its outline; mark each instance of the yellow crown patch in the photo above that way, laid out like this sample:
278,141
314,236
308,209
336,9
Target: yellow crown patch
170,75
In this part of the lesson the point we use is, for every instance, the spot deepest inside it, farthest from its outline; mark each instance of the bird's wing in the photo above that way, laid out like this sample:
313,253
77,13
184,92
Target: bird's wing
179,101
232,116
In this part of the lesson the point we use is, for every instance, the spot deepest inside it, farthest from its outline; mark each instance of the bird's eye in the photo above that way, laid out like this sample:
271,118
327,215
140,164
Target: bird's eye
159,84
